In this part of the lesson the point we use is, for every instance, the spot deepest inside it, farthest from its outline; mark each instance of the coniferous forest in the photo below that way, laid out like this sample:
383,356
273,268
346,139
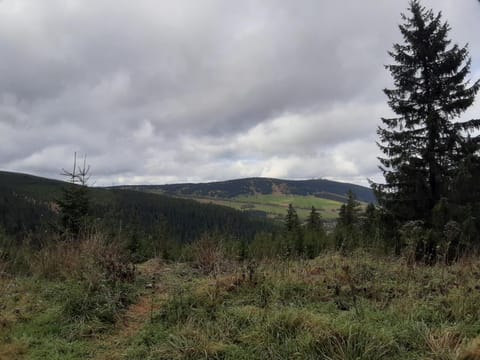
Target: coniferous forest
136,272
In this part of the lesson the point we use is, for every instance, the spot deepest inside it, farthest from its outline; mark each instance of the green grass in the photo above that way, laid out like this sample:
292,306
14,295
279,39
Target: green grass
46,319
276,205
34,324
70,293
333,307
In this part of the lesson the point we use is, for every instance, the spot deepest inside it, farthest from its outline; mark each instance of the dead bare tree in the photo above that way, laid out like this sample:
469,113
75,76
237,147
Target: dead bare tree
79,175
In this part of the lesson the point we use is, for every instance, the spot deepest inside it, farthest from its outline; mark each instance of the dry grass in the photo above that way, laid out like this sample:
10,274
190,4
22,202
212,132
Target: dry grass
209,255
89,259
13,351
137,315
472,351
331,307
443,344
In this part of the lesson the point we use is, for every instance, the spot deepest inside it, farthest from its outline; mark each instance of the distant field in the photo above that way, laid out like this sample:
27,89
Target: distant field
276,205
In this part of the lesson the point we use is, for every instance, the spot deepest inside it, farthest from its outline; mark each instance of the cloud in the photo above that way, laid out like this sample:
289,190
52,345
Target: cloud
167,91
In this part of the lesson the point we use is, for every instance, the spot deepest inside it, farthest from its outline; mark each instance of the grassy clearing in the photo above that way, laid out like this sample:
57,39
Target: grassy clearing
332,307
276,205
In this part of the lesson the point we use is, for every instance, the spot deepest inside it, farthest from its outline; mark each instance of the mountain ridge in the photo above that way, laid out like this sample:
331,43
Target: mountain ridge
328,189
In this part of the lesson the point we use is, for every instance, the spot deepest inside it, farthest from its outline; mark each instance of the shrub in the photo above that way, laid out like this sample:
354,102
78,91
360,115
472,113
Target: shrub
209,254
92,259
95,277
414,238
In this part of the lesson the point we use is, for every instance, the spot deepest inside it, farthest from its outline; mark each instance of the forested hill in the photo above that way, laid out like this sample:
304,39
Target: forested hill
326,189
27,207
29,185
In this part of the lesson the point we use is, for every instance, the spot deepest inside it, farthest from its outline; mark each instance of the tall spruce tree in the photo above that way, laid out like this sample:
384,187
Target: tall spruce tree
349,212
292,223
293,232
314,221
425,140
314,234
347,230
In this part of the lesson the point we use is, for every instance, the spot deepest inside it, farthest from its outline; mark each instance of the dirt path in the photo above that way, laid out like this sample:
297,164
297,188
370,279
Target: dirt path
115,345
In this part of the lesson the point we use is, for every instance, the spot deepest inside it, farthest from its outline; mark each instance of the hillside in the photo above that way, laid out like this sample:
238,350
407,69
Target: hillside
27,206
326,189
266,196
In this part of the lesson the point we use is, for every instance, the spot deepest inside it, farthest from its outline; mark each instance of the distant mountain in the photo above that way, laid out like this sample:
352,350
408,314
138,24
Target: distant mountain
28,209
327,189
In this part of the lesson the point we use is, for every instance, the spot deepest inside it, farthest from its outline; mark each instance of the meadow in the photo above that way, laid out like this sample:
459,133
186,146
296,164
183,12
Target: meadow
275,205
213,306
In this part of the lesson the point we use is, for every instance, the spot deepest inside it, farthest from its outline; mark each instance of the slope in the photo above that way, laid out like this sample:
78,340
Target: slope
267,196
27,208
327,189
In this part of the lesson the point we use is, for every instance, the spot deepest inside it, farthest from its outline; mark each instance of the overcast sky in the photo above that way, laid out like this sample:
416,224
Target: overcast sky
174,91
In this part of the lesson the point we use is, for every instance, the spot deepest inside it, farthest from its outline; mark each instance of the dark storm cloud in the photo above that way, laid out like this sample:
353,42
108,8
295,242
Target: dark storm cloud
157,91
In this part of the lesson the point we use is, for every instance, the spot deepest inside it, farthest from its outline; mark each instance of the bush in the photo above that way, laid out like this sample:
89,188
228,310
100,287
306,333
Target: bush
209,254
96,277
92,259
